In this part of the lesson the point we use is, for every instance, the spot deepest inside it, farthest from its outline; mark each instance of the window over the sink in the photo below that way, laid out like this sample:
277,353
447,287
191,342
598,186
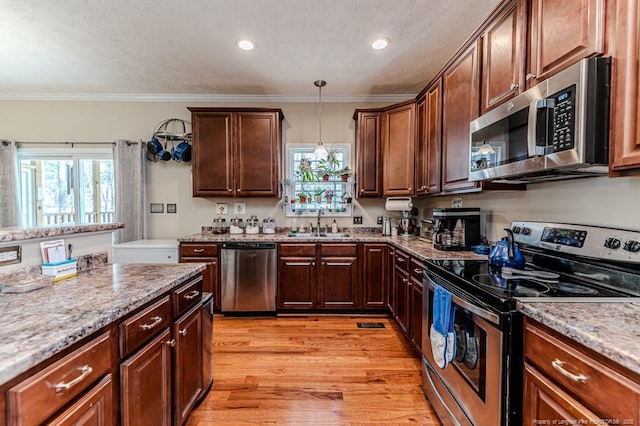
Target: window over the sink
314,183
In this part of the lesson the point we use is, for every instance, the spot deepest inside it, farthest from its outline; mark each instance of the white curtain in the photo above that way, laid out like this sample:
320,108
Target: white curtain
128,160
8,184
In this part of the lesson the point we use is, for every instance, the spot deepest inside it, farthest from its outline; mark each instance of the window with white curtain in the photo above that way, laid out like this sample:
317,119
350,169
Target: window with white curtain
66,186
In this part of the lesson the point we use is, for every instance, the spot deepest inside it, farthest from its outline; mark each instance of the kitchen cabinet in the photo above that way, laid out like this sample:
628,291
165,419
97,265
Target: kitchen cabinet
564,381
205,253
562,33
187,373
338,282
374,275
398,138
460,105
297,276
318,276
429,141
94,408
36,398
391,279
236,151
415,305
368,153
503,56
401,291
625,95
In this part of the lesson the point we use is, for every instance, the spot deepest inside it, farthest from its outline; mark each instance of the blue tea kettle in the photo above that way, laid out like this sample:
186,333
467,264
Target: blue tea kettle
506,253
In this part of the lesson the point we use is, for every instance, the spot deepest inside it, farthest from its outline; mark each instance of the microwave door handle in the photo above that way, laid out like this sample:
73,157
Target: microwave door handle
544,112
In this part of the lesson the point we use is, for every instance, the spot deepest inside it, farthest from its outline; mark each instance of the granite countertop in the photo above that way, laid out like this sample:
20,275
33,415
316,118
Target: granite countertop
39,324
410,244
609,328
19,234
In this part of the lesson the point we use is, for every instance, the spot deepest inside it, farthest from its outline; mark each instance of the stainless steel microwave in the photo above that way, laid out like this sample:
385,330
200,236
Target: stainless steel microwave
556,130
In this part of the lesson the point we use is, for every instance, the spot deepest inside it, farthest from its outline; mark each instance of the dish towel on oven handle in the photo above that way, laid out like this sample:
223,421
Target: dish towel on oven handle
442,333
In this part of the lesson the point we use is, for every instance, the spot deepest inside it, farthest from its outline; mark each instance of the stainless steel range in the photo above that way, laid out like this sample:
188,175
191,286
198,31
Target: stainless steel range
483,383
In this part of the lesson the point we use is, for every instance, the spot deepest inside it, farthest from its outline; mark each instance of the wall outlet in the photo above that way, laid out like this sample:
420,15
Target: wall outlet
11,254
156,208
172,208
357,220
456,203
379,220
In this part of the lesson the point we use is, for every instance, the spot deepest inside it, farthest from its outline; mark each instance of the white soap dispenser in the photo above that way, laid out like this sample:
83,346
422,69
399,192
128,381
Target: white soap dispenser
334,227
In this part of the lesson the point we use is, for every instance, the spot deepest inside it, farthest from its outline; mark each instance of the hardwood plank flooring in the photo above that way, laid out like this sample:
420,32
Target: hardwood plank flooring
314,370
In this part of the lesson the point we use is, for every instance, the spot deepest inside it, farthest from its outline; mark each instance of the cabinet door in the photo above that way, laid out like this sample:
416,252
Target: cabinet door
368,154
338,282
422,150
460,105
503,47
212,153
390,284
429,143
95,408
145,384
562,33
546,402
403,284
257,154
415,323
296,282
187,378
399,130
625,96
374,275
210,276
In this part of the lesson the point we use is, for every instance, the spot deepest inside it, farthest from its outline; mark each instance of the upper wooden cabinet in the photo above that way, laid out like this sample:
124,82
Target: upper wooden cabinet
398,138
368,153
429,142
460,105
503,53
625,105
562,33
236,151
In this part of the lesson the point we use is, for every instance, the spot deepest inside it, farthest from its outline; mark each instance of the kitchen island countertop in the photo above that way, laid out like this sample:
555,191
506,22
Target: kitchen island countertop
41,323
410,244
609,328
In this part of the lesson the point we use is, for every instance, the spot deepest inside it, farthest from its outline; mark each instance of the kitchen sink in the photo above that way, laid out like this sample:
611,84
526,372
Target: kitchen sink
322,235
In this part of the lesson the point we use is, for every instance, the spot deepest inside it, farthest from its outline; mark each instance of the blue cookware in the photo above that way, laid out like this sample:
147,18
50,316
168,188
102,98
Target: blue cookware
506,253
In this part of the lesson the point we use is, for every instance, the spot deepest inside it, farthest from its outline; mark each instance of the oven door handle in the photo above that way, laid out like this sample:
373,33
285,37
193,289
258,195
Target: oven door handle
476,310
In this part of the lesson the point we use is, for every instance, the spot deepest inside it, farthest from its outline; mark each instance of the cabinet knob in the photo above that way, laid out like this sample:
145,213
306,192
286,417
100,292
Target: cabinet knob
171,342
362,190
514,86
230,190
182,332
410,188
530,77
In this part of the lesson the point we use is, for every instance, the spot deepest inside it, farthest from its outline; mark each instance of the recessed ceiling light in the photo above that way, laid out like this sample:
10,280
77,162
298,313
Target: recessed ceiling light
380,43
246,44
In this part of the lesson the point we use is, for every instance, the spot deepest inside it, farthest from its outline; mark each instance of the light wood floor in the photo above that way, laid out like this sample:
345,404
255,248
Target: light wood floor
312,371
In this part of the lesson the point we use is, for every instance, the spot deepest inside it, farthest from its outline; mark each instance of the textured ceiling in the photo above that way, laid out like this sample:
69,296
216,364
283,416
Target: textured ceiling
187,47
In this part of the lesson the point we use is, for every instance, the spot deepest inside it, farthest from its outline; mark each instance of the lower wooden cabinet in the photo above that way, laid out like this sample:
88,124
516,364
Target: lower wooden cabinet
205,253
374,275
95,408
187,370
297,276
402,285
145,384
415,314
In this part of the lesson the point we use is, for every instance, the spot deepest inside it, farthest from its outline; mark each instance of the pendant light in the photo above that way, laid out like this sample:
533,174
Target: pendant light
320,151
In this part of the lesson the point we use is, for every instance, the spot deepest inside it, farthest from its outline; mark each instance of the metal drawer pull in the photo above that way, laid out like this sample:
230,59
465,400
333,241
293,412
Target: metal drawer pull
192,295
85,372
182,332
559,366
399,259
171,342
418,271
200,250
156,321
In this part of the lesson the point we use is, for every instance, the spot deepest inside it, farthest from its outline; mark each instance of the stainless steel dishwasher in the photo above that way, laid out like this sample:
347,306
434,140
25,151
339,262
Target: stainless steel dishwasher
249,273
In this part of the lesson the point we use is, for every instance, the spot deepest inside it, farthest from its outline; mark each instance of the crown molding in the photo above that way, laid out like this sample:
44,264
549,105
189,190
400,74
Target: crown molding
191,98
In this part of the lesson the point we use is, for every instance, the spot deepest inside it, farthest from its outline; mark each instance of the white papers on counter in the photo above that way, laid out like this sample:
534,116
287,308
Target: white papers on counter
53,251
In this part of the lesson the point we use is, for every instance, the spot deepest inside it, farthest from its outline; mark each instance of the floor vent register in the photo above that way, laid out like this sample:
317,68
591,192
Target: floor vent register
370,325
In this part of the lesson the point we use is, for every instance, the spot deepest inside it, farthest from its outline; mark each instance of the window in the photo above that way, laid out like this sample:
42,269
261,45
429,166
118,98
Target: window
66,186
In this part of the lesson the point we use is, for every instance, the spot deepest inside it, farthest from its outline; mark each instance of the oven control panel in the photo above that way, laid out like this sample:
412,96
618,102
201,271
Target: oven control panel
592,241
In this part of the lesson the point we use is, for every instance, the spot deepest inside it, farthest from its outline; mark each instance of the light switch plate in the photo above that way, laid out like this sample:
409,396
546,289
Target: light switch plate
172,208
357,220
157,208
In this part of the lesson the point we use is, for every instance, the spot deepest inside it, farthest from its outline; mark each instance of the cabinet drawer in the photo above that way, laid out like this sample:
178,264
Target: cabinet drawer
298,249
94,408
338,250
145,324
198,250
402,260
590,381
34,400
417,267
187,296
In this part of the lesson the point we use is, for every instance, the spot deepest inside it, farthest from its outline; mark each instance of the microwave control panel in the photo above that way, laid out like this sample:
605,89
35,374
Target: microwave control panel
564,118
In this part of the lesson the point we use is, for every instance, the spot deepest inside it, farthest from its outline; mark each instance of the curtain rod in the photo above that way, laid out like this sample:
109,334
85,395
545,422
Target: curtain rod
129,143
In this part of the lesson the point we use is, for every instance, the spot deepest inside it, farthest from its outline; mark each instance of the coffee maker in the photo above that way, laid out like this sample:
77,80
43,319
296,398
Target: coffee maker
456,229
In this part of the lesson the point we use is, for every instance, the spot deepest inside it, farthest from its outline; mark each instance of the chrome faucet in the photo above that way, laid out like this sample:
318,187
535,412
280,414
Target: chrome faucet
319,213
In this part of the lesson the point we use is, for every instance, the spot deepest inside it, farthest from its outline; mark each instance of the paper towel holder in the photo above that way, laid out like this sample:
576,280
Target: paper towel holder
398,204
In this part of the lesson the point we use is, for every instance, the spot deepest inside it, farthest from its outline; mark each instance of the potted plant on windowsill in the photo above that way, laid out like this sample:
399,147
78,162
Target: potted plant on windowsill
328,195
305,172
345,173
317,193
303,196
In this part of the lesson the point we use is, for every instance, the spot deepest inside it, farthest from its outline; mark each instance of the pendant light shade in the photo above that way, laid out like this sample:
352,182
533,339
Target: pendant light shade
320,151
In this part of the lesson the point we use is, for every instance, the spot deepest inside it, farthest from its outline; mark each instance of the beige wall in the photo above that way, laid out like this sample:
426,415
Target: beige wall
610,202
